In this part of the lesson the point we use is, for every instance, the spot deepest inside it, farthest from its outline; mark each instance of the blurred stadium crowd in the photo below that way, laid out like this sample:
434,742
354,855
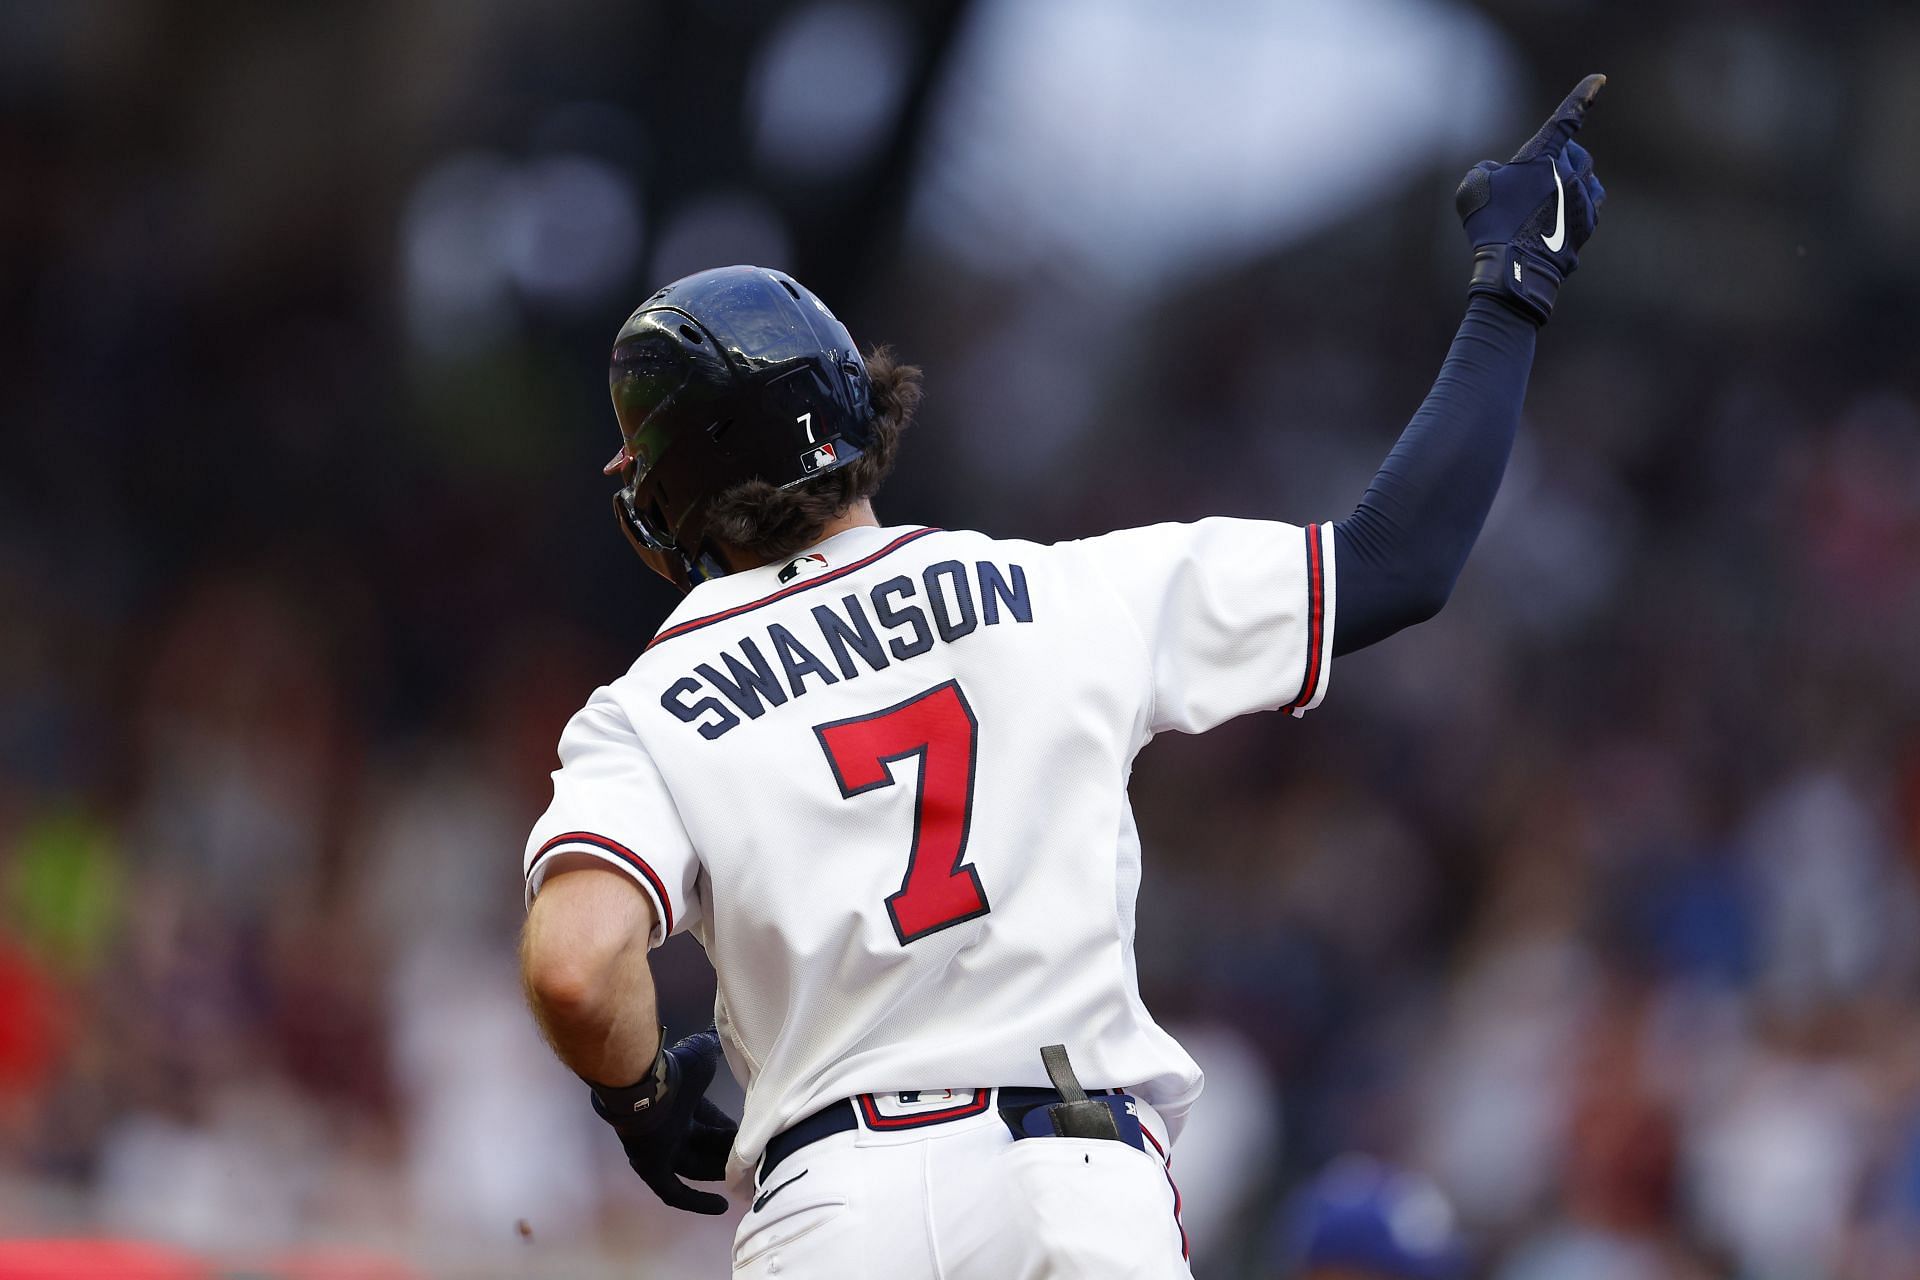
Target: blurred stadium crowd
1594,900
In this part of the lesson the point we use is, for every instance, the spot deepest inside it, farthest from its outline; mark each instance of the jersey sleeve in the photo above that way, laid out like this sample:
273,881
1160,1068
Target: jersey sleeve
1236,615
610,802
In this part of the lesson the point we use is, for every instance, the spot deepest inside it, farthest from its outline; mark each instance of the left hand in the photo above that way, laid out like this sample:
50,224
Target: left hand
668,1128
1528,218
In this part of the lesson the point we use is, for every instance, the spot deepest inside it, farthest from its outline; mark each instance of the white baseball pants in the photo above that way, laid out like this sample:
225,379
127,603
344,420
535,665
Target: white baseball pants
961,1200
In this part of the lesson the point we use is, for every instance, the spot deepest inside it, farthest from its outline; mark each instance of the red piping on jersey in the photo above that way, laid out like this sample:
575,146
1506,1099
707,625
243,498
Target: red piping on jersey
614,847
871,1114
784,592
1167,1167
1316,617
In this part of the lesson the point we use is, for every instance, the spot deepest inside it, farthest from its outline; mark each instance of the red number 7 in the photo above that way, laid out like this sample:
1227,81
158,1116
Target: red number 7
940,889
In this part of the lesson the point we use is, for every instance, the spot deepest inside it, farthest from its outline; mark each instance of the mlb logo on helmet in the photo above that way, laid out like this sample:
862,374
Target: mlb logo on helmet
814,459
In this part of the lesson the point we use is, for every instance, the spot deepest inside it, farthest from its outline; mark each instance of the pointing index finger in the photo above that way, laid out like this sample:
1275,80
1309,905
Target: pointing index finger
1564,122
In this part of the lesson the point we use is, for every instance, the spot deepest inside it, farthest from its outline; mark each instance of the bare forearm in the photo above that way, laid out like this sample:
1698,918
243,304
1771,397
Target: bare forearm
609,1040
583,959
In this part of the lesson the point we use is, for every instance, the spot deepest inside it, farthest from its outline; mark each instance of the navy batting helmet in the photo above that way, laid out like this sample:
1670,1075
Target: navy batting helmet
726,376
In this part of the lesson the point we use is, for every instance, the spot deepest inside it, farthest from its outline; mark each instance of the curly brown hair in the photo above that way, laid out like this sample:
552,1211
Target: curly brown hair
773,523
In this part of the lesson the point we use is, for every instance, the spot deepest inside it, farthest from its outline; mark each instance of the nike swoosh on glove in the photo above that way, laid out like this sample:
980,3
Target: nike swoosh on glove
1528,218
668,1128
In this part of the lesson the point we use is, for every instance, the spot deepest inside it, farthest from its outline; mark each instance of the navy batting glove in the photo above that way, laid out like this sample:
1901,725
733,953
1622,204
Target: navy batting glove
668,1128
1528,218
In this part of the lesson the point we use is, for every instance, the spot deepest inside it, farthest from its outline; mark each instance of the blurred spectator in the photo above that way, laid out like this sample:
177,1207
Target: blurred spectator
1364,1220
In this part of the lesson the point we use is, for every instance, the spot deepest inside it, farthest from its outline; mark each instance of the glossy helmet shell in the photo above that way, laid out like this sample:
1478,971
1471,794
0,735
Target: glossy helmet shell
726,376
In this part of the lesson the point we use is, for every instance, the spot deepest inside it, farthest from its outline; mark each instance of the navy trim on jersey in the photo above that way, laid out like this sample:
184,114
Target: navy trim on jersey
619,850
960,1111
796,588
1166,1167
1316,617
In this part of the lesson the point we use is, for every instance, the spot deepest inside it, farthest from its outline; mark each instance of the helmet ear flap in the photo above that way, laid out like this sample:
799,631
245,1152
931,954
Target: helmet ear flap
683,568
665,563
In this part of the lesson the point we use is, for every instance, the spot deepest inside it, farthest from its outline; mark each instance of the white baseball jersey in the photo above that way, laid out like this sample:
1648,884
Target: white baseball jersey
884,784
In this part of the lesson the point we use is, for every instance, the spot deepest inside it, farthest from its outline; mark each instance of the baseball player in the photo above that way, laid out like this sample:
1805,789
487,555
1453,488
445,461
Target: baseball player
880,773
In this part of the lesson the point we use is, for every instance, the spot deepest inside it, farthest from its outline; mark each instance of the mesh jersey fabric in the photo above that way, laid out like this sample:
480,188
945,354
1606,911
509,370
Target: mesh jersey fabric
884,784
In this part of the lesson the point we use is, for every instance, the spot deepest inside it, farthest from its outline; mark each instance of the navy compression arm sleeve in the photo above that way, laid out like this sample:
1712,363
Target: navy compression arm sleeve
1398,554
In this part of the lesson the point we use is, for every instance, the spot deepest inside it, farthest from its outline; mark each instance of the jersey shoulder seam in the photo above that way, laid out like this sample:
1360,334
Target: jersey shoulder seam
611,697
1119,601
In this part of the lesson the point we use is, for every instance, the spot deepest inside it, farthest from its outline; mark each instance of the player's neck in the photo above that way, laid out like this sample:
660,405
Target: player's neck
859,515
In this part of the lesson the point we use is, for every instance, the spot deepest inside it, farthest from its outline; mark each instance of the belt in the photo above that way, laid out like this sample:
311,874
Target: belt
839,1117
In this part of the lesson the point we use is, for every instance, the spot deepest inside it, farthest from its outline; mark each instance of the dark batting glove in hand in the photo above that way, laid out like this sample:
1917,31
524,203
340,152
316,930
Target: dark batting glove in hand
668,1128
1528,218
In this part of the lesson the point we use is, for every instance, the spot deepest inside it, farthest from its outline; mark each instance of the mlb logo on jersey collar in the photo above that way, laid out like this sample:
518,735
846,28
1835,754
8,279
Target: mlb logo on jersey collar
800,568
